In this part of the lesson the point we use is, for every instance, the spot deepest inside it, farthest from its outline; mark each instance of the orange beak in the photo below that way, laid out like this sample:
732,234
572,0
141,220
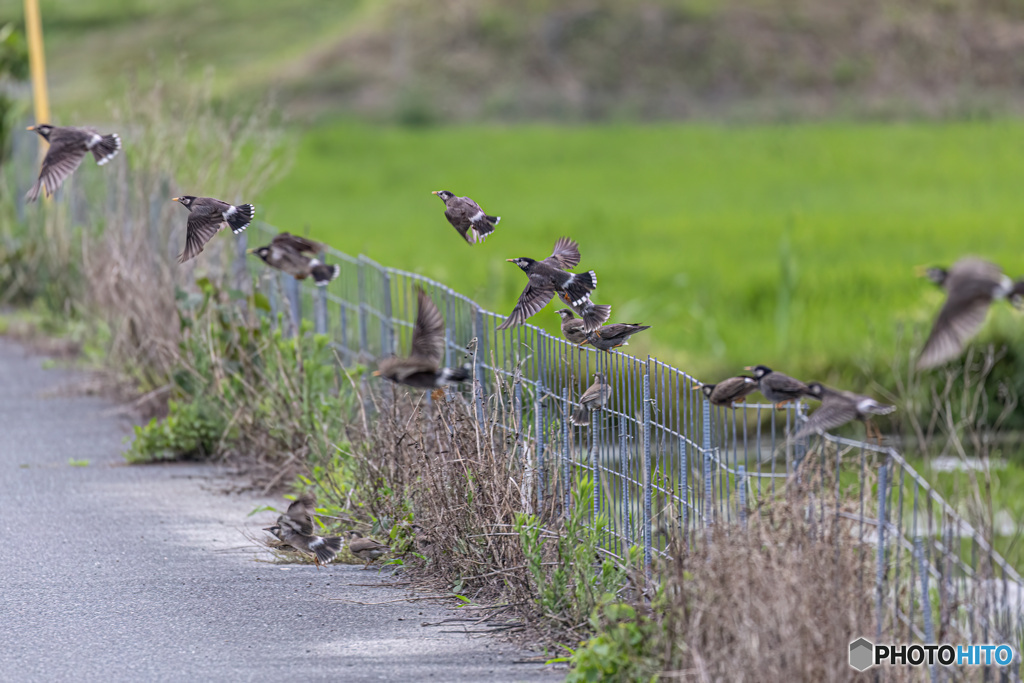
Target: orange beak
695,387
31,128
175,199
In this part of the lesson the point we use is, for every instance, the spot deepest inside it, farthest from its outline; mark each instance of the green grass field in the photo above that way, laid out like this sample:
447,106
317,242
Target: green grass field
792,246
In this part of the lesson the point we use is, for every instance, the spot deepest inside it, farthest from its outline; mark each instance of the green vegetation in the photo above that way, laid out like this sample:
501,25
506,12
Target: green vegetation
793,246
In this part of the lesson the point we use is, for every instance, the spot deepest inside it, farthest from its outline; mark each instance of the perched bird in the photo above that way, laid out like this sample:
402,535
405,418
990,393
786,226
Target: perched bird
776,387
295,528
838,408
467,217
548,277
594,398
206,217
613,336
422,369
68,146
572,327
365,548
295,256
971,285
728,391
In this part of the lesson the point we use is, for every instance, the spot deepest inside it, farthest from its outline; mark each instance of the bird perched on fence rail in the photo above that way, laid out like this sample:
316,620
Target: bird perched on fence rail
572,327
594,398
297,256
971,284
729,391
422,368
467,217
365,548
839,407
612,336
68,146
295,528
550,276
778,388
206,217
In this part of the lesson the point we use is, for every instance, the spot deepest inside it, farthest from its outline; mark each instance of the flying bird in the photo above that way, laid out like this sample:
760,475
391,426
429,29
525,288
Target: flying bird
594,398
68,146
295,528
467,217
613,336
971,286
550,276
206,217
297,257
778,388
572,327
422,368
365,548
728,391
839,407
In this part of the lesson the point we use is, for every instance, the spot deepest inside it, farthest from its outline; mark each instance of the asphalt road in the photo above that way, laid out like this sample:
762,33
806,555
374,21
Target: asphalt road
111,572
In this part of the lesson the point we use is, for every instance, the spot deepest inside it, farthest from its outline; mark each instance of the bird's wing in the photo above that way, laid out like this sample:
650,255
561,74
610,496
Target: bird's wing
62,158
971,269
458,215
428,332
300,513
357,545
596,392
203,223
535,297
566,254
301,245
958,321
784,383
834,412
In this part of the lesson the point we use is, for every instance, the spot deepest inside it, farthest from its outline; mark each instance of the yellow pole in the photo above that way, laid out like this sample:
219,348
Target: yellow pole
37,65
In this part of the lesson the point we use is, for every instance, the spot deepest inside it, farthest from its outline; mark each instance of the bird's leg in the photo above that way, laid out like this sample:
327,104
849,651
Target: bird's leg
781,405
367,565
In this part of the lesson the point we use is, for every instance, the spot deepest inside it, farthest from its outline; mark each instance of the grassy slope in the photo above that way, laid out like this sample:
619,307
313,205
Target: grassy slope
690,227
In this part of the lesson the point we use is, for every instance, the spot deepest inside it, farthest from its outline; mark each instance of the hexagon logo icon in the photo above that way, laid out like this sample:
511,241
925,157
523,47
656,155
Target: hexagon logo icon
861,654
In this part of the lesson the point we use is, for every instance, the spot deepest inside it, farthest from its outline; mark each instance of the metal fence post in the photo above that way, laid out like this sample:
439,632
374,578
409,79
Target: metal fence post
387,322
684,491
926,603
883,481
627,531
741,489
595,473
647,470
708,488
538,414
275,306
478,365
343,325
320,311
291,291
566,453
241,268
364,342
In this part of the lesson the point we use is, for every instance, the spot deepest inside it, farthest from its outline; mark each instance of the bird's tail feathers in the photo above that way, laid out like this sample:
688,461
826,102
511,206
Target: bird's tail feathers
594,315
323,274
580,417
239,217
33,192
107,148
326,548
455,375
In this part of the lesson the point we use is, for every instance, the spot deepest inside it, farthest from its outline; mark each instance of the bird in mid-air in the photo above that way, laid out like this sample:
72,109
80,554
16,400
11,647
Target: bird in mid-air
839,407
594,398
68,146
365,548
778,388
295,527
422,368
467,217
971,285
297,256
612,336
729,391
206,217
550,276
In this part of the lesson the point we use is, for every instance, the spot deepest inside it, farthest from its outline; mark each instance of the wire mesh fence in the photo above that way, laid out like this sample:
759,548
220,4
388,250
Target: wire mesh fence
667,464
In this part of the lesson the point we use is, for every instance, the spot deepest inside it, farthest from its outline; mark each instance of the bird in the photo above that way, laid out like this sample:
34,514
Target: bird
971,284
68,146
293,255
572,327
467,217
594,398
422,368
365,548
613,336
295,528
778,388
206,217
548,277
728,391
839,407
